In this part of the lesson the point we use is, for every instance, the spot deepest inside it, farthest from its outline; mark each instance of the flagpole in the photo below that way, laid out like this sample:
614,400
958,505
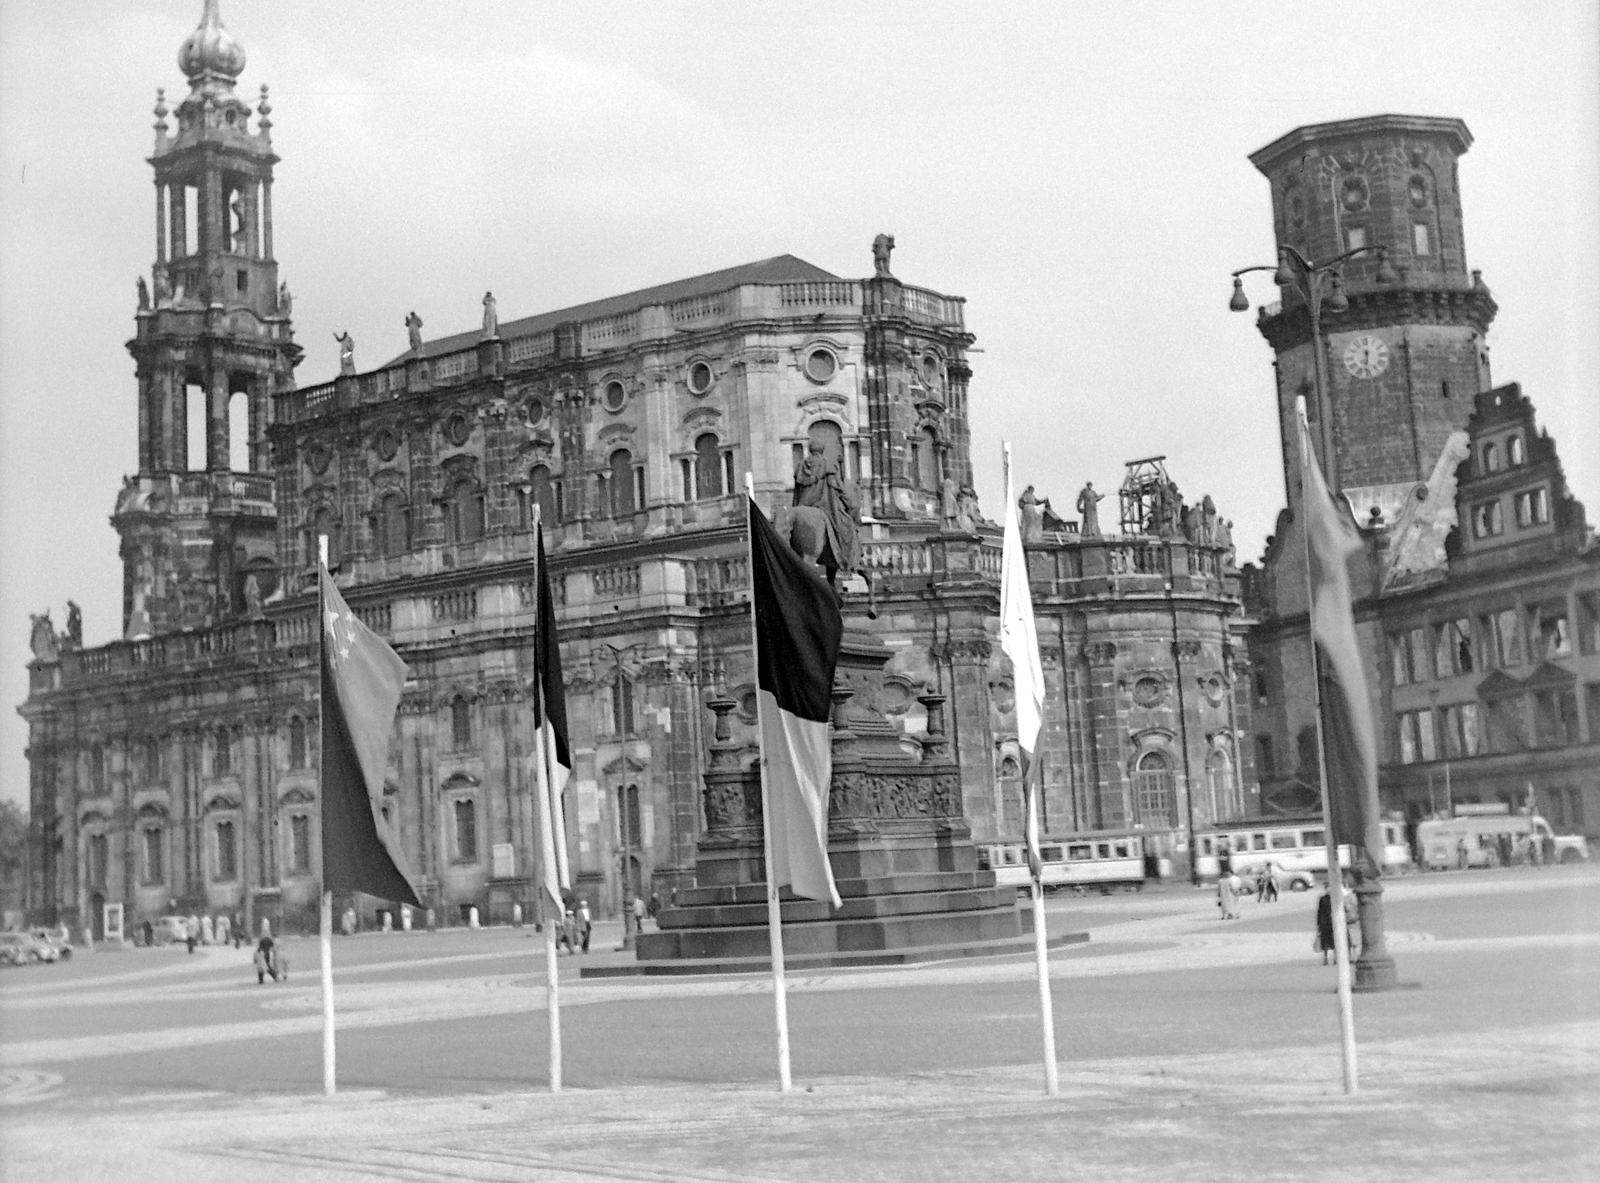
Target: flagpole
326,923
774,913
1341,933
1032,784
547,850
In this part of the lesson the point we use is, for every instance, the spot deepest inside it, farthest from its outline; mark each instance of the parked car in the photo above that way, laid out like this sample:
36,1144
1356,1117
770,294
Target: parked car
166,929
55,940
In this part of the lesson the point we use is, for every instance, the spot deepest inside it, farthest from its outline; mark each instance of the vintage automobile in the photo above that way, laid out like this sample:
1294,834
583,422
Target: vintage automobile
53,938
21,948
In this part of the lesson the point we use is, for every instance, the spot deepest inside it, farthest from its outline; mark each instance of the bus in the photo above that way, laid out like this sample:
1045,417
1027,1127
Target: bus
1100,860
1298,845
1476,830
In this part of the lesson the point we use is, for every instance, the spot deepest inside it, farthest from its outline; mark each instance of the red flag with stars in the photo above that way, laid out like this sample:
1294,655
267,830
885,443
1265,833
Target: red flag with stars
361,682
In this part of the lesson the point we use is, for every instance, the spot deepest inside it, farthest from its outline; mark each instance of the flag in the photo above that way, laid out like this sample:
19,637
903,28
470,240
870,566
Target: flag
550,724
361,682
1020,643
1350,749
798,631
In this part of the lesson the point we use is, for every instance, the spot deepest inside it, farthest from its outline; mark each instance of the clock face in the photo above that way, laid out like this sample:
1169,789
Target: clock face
1366,357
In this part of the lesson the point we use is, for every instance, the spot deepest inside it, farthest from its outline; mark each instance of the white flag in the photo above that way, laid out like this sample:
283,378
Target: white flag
1018,641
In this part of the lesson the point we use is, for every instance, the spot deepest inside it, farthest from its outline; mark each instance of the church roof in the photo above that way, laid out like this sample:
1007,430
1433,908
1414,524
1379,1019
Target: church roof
779,269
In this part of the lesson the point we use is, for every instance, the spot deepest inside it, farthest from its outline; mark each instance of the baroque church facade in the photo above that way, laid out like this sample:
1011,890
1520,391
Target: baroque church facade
176,767
1478,588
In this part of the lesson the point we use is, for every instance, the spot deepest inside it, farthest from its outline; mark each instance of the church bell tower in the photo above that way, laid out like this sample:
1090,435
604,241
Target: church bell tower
1406,358
214,344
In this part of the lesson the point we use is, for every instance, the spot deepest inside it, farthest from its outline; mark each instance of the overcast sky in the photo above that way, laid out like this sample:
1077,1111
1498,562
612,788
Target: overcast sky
1079,173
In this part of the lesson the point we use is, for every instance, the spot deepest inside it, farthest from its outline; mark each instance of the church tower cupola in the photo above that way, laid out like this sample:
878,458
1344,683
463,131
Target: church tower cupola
214,346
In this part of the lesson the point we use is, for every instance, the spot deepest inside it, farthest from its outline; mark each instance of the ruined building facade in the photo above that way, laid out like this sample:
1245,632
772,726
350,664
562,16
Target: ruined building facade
1478,590
177,766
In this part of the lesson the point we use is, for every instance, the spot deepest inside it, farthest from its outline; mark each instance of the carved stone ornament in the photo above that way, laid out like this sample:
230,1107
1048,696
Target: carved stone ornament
1100,652
386,444
1149,690
298,795
909,795
220,802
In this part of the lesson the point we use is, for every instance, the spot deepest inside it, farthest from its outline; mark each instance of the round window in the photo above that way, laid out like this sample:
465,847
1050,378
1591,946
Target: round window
1148,691
318,457
457,430
615,396
820,365
386,444
535,411
930,369
700,378
1355,193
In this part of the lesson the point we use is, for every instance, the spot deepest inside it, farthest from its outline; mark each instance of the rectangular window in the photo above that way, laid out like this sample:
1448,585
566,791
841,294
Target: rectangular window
1283,841
1547,626
1591,698
1417,737
1461,733
1555,718
97,860
1419,239
300,844
1453,650
1575,800
729,483
1589,624
1533,507
155,870
1264,752
227,857
638,487
1505,726
1507,638
466,813
1421,655
1355,237
1400,655
687,467
1487,521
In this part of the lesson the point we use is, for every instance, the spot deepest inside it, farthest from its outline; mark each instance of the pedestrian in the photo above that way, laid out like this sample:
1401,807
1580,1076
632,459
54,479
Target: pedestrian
565,929
1228,895
638,913
1461,854
585,924
265,959
191,931
1352,921
1224,859
207,931
1325,924
237,928
655,905
1270,886
223,927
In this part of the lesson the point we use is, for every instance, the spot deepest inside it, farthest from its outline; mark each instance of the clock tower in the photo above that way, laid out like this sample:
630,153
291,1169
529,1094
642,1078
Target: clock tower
1405,359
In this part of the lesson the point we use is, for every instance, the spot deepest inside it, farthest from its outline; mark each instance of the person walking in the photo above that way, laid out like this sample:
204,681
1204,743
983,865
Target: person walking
1325,924
1228,895
638,913
1269,887
266,959
585,924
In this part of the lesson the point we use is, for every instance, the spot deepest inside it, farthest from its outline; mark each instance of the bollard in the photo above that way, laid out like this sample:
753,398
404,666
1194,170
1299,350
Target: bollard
405,917
472,917
388,921
516,915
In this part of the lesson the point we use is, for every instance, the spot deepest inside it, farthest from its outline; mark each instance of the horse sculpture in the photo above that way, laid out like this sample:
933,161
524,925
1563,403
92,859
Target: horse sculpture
808,536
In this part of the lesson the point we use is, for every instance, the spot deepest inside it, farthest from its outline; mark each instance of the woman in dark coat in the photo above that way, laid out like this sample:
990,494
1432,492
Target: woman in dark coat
1325,925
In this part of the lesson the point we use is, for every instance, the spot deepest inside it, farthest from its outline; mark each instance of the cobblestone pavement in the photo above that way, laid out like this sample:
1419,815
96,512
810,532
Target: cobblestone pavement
1510,1091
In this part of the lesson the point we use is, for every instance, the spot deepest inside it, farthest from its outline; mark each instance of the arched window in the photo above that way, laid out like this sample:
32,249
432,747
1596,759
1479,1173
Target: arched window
297,742
393,526
151,761
1152,786
925,460
621,482
322,522
466,819
1011,800
97,768
622,706
239,431
463,519
708,467
460,723
1219,774
1514,451
99,860
222,759
1491,458
630,821
227,864
155,850
542,493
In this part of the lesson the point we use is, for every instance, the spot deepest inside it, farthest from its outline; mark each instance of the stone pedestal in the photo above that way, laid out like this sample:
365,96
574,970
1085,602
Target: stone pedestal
902,853
1374,969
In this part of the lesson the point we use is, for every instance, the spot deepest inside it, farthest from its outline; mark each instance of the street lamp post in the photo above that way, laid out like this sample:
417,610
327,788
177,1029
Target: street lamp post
629,838
1295,271
1374,969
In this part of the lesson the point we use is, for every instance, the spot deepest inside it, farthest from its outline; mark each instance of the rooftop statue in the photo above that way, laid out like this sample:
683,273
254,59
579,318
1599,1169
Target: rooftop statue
491,318
881,247
1089,511
414,332
347,352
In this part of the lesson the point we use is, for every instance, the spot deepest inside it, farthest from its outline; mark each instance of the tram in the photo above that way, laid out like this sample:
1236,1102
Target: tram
1297,845
1102,860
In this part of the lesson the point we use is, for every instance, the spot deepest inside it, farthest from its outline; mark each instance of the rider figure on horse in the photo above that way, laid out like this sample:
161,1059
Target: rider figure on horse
819,484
